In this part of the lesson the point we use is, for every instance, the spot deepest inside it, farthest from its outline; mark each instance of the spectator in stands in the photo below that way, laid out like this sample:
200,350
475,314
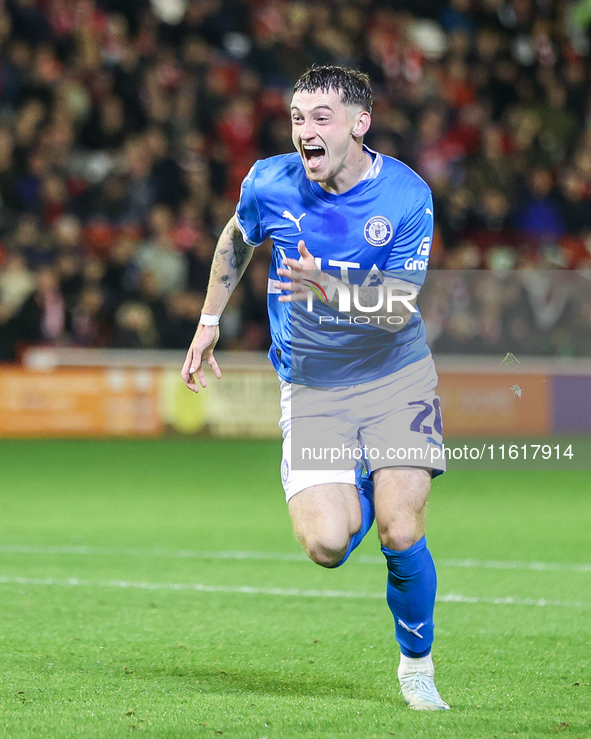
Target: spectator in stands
42,317
149,295
183,311
134,327
69,268
539,215
89,322
16,284
199,262
491,168
492,225
122,275
455,216
67,235
574,202
159,256
27,240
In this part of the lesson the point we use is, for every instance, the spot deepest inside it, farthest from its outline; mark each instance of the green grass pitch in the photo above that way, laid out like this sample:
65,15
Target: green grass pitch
126,608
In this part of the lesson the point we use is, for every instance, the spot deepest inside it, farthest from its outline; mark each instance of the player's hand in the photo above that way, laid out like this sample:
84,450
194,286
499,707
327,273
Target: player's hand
298,271
201,350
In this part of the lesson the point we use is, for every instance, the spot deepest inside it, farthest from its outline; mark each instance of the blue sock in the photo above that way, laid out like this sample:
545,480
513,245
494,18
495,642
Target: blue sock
410,593
365,491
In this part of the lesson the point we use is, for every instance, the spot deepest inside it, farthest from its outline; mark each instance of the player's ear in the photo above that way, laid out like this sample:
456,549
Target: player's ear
362,124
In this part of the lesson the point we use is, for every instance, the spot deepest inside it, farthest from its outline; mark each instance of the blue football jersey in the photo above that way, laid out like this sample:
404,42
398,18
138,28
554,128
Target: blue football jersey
383,225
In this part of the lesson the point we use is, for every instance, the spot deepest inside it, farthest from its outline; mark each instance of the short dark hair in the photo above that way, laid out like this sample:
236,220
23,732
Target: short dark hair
351,83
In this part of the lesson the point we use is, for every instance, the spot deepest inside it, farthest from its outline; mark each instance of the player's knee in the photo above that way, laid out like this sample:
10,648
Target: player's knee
325,553
398,537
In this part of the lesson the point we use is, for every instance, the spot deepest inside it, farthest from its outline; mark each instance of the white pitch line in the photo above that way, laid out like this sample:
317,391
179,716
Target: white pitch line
283,557
197,587
157,552
292,592
495,564
510,601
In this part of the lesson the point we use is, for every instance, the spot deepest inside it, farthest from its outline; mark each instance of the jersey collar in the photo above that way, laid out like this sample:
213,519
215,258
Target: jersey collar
376,164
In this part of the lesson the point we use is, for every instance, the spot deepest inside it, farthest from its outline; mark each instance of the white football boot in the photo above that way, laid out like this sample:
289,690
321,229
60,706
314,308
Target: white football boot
417,684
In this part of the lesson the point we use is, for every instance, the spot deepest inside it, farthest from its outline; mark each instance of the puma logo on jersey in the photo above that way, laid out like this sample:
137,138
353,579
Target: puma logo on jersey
288,215
428,211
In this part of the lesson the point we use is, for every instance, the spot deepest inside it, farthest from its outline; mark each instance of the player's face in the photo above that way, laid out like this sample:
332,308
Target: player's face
326,133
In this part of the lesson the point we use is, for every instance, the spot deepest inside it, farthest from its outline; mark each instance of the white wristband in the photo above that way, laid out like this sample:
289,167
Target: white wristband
209,320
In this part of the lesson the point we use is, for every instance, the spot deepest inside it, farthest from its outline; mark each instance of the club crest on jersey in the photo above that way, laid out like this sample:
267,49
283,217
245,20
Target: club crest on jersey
378,231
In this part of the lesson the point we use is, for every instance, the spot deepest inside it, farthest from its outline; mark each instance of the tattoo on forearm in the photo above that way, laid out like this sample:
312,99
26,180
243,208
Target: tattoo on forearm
223,247
230,258
241,252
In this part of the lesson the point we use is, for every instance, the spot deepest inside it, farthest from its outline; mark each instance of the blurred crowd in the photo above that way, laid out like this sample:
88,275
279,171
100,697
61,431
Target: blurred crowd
126,127
544,313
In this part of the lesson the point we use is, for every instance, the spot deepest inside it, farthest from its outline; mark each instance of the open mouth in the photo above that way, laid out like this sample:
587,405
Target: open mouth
314,155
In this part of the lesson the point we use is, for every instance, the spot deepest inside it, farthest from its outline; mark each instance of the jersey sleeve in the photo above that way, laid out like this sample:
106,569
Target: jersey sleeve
248,215
409,257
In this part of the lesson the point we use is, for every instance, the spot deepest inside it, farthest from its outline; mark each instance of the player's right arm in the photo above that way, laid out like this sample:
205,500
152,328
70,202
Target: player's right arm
230,260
